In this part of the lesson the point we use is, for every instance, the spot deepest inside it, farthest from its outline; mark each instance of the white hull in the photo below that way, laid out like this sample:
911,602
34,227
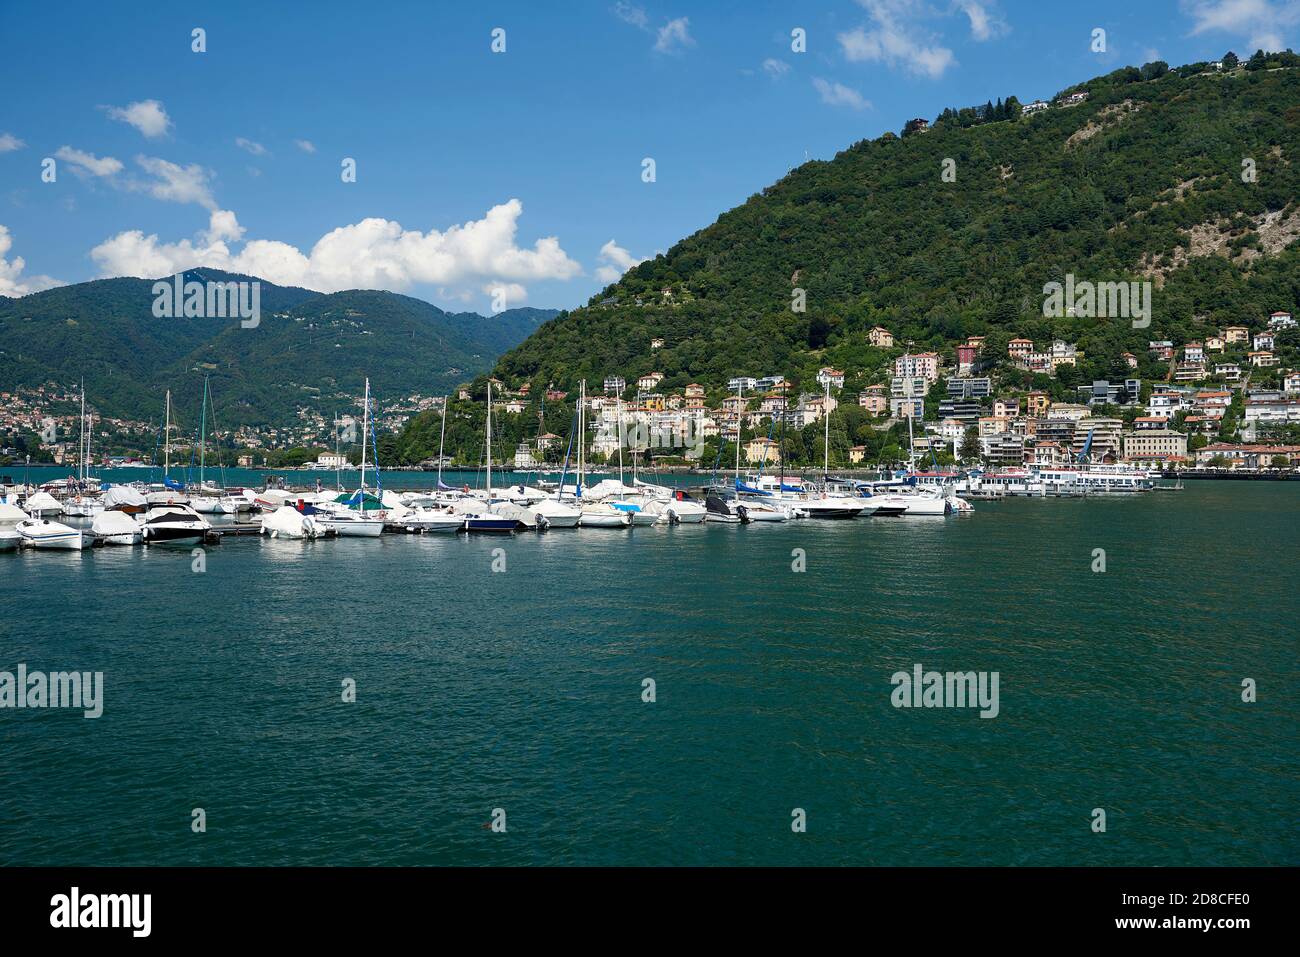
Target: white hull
557,514
599,516
116,528
9,539
41,533
214,506
427,520
354,528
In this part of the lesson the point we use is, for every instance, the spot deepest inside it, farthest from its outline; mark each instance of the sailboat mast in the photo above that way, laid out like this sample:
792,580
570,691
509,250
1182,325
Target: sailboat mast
203,433
338,463
740,411
826,450
81,436
489,442
781,451
620,440
167,437
442,437
365,436
582,437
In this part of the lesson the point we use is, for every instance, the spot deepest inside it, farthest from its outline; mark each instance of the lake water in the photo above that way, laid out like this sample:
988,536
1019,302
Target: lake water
522,690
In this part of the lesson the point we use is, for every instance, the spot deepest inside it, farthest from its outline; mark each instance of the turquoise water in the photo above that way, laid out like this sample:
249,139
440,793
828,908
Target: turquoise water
521,690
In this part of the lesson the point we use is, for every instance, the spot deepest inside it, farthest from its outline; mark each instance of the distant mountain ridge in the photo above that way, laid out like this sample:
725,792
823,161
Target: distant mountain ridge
306,348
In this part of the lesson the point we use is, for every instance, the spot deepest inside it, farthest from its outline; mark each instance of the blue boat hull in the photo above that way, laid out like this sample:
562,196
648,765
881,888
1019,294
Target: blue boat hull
490,525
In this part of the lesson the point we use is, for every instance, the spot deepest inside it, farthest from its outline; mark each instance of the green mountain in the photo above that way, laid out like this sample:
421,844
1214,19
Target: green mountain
308,349
1187,178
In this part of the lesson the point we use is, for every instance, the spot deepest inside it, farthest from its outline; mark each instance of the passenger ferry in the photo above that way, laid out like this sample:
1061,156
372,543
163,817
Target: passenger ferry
1117,479
1008,482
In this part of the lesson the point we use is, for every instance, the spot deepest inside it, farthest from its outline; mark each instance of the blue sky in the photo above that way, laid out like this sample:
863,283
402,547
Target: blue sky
477,171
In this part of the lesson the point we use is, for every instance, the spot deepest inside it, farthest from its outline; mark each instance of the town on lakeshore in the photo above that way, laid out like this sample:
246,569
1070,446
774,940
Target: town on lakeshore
972,434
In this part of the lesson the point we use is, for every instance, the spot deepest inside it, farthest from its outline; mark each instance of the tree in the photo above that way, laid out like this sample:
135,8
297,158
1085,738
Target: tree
1230,61
970,445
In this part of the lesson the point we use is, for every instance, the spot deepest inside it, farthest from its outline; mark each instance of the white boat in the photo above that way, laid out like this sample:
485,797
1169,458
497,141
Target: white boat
124,498
909,500
174,524
426,519
287,522
604,515
208,503
116,528
41,505
718,509
11,515
42,533
1096,479
9,539
347,523
797,500
82,506
557,514
673,503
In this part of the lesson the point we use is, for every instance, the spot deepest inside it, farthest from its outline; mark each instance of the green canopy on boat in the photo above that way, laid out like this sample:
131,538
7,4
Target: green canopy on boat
366,502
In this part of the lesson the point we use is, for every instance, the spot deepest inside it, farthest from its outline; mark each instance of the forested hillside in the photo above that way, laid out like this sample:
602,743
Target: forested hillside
1189,178
306,345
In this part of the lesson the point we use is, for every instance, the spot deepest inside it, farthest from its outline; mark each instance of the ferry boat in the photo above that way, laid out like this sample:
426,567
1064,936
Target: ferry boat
1009,482
1096,479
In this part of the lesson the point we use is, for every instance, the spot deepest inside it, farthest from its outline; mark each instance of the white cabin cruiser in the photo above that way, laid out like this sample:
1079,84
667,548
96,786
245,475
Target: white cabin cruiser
174,524
42,533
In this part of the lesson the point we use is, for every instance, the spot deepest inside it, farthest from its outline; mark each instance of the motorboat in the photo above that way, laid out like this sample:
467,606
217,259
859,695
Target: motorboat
42,533
557,514
424,519
604,515
115,527
910,500
287,522
347,523
41,505
718,509
124,498
174,524
9,538
214,502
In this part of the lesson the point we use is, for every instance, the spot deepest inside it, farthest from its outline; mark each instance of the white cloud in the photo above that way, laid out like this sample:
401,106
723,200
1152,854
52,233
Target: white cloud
307,146
775,68
674,36
1263,24
147,116
372,254
257,149
9,143
631,13
84,163
985,24
892,40
174,183
837,94
617,261
11,281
